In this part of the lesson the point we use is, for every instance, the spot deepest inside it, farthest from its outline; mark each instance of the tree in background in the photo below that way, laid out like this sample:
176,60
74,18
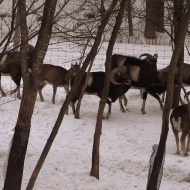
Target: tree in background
154,18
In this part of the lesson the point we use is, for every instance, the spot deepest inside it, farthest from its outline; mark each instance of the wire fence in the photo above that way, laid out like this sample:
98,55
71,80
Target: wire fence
80,18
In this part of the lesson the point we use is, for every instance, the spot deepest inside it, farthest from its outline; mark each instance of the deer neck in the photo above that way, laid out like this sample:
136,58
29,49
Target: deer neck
69,74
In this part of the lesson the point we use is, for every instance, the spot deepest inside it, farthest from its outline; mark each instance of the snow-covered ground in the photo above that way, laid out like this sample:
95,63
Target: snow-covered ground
125,148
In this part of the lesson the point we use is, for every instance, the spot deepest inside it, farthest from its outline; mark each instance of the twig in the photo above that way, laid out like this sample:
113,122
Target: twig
7,101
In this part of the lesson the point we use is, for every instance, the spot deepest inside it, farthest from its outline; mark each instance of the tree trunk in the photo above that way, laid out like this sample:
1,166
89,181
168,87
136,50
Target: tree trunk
178,13
170,88
16,39
151,162
30,79
95,152
150,28
129,16
160,16
77,112
154,18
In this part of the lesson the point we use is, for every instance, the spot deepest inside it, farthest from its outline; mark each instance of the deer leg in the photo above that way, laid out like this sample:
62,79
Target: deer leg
158,98
125,100
2,92
67,91
121,104
163,96
14,90
76,97
1,89
144,101
175,122
41,86
18,93
182,140
177,141
17,89
141,93
188,142
77,109
109,110
72,104
54,93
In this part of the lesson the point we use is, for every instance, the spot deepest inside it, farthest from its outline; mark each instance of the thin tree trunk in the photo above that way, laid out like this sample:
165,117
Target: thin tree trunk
30,79
16,39
98,130
64,107
170,87
129,16
17,153
77,113
178,15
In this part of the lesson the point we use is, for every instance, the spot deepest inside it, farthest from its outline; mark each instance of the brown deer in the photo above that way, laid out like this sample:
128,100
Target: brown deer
10,65
57,77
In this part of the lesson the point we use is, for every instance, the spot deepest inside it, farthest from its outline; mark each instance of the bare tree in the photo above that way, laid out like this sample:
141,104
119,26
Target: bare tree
179,8
31,78
33,11
95,153
7,39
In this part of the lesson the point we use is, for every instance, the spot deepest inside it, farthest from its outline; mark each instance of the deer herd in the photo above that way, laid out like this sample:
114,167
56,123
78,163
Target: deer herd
126,72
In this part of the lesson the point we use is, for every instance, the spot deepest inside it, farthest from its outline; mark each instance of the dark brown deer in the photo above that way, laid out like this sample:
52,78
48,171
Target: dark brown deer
180,122
157,88
141,70
95,85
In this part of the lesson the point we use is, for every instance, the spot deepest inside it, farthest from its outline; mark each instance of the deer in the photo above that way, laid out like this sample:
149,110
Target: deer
95,85
142,68
10,65
180,121
56,76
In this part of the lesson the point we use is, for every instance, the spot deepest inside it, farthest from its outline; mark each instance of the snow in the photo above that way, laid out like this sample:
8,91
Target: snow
125,148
